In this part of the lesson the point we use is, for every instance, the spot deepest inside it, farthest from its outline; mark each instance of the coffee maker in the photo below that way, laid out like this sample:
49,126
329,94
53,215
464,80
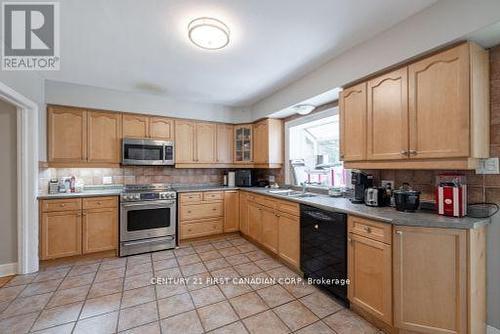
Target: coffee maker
361,182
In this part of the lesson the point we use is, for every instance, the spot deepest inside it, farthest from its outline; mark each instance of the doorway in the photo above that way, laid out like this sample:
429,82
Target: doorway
8,188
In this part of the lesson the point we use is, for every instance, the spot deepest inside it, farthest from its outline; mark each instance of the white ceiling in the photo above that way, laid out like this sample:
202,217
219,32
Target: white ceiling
142,46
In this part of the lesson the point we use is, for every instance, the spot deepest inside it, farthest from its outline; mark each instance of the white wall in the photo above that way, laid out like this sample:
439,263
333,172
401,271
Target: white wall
8,182
102,98
31,85
442,23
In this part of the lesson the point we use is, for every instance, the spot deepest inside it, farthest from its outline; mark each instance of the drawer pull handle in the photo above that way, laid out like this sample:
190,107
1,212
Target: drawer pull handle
214,209
368,229
189,211
63,205
99,203
316,226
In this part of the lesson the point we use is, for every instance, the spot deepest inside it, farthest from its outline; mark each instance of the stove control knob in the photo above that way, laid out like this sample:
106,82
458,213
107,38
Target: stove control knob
137,196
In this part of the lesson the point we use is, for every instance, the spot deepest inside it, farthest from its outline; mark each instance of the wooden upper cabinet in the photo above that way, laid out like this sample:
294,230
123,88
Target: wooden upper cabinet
430,283
260,142
135,126
161,128
205,142
268,141
231,211
184,141
439,105
353,123
387,118
67,134
243,143
104,137
224,145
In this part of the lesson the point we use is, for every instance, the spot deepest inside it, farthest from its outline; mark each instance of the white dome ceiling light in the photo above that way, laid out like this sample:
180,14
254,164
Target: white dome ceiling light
208,33
304,109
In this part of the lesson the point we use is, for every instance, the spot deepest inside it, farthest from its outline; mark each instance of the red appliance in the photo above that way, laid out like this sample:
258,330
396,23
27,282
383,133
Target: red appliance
451,195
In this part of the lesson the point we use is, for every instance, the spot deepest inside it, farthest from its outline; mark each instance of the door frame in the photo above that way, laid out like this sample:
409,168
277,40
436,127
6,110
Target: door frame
27,179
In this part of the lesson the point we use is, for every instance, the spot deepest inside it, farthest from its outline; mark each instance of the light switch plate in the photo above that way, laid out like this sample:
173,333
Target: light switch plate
386,183
107,180
272,178
488,166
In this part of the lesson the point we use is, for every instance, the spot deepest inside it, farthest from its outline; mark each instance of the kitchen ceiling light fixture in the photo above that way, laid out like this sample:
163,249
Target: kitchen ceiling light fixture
208,33
304,109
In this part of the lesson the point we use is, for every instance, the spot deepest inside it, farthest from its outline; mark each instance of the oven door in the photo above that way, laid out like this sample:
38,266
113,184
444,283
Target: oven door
143,220
146,152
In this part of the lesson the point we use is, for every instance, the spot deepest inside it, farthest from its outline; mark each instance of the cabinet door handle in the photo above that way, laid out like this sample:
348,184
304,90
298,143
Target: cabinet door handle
399,232
413,152
403,152
63,205
316,226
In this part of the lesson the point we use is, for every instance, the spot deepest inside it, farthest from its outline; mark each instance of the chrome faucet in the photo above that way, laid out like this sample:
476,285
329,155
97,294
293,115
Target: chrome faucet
304,187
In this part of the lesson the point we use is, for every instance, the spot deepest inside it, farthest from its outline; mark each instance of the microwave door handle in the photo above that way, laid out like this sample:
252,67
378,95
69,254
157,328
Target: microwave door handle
164,154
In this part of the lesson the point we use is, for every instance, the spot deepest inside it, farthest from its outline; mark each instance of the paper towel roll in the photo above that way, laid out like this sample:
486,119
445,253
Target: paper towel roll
231,179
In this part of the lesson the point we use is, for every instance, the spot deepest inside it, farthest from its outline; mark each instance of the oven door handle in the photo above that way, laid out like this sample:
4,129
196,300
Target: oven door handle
150,205
140,242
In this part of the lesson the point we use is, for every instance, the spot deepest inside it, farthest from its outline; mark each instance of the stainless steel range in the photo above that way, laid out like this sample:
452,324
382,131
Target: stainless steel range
148,216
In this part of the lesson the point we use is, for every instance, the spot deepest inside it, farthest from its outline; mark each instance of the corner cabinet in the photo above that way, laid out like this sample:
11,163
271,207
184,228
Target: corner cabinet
243,143
430,114
267,143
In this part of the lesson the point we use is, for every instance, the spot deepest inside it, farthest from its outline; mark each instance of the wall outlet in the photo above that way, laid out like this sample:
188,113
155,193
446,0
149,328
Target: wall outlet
488,166
107,180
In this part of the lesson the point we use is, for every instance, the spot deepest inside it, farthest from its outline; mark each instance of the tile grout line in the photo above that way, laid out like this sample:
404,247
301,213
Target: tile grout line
86,298
48,301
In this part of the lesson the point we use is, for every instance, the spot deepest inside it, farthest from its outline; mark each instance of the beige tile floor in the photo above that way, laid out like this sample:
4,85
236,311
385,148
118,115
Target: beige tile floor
110,295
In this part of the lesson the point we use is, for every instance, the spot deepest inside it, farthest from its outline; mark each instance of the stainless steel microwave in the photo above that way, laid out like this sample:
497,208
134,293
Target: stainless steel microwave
144,152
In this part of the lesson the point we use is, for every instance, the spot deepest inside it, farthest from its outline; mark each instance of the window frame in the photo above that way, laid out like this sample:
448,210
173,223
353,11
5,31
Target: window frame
299,121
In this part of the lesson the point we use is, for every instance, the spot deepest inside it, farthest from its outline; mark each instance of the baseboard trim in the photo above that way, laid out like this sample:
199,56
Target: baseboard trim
492,330
8,269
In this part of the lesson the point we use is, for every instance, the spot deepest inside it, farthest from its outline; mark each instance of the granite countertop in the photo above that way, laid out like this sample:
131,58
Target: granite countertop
92,191
389,215
205,187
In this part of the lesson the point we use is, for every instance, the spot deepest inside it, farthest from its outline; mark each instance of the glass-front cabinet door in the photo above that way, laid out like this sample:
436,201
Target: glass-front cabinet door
243,143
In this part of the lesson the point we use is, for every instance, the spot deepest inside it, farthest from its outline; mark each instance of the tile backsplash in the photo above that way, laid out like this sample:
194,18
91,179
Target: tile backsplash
141,175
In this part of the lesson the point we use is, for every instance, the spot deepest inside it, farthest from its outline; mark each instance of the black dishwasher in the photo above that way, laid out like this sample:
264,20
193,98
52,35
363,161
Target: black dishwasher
323,251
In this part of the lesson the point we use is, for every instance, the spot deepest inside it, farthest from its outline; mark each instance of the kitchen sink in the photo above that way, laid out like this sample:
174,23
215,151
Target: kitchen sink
291,193
301,195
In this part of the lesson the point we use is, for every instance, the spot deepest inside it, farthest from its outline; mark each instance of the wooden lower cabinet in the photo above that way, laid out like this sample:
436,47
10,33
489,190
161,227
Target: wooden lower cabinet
61,234
430,283
201,228
202,213
289,239
269,238
67,230
254,221
370,275
231,211
100,230
244,213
